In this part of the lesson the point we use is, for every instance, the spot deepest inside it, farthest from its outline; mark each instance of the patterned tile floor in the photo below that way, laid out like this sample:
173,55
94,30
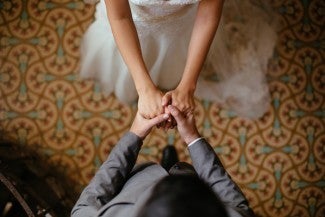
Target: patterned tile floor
278,160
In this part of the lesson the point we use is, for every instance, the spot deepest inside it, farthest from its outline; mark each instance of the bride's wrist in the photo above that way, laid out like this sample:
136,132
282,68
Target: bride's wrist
186,87
148,88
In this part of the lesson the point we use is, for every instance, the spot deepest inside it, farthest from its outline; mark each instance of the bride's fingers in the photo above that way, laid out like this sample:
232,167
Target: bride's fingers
183,108
145,116
166,99
189,112
166,110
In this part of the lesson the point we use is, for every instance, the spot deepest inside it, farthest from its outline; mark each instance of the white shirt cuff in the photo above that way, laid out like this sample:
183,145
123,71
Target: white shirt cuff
194,141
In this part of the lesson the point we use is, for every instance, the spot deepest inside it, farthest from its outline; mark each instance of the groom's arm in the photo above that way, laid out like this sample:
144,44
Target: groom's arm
110,177
209,168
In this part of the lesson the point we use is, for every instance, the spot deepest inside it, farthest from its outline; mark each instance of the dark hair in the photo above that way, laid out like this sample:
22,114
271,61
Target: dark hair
182,196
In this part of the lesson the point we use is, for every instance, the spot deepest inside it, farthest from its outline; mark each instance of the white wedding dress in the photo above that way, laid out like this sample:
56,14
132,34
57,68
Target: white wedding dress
235,68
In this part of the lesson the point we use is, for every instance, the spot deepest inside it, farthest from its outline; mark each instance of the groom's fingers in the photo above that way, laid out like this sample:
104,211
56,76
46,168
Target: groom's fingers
174,123
162,124
158,119
176,114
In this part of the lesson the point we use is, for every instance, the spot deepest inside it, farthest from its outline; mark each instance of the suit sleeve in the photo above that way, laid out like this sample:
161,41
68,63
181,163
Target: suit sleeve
110,178
210,169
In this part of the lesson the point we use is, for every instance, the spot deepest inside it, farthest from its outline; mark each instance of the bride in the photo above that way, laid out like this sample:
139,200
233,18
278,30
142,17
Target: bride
139,48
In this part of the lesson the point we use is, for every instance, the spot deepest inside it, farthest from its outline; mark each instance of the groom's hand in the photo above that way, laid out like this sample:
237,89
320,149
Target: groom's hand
185,124
142,126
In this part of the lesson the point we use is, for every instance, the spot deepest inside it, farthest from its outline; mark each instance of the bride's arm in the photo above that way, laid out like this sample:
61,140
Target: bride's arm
205,26
126,38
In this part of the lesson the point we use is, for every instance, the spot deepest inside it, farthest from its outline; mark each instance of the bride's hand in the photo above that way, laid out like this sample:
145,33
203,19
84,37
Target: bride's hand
183,99
149,103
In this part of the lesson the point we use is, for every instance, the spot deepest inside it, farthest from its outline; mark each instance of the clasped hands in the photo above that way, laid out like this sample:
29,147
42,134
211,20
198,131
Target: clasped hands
153,102
185,124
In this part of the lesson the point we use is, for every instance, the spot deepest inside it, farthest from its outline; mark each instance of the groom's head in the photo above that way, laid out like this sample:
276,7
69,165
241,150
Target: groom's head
182,196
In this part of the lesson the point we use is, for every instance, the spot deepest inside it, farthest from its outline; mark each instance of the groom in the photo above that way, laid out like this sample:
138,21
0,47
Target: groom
122,189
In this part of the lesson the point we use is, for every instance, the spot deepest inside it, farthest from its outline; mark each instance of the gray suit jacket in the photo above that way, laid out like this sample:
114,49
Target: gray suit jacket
120,189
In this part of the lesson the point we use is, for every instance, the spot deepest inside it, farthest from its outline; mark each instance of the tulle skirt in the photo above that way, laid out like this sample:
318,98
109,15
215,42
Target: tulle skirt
234,71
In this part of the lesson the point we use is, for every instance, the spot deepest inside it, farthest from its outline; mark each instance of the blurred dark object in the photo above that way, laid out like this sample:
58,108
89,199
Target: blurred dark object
169,157
29,186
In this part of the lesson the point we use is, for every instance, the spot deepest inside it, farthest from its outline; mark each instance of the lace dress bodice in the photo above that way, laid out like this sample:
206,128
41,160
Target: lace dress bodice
238,55
159,10
164,2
